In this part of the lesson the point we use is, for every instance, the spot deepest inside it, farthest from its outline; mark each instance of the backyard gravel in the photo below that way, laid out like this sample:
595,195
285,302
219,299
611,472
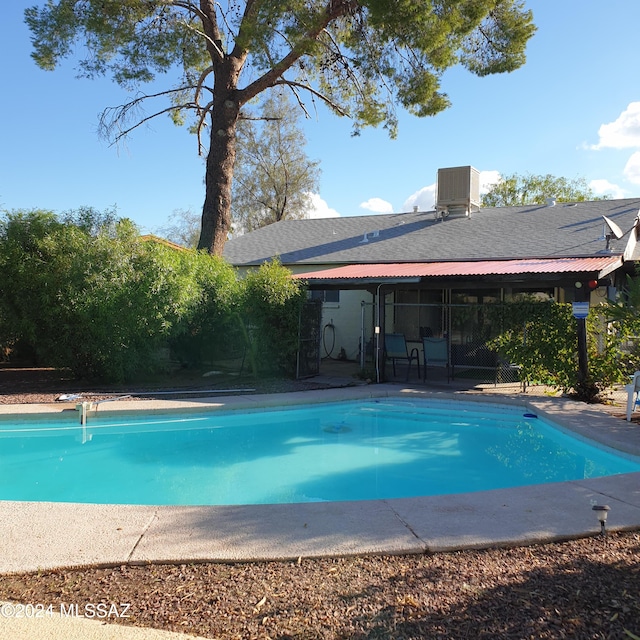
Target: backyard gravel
581,589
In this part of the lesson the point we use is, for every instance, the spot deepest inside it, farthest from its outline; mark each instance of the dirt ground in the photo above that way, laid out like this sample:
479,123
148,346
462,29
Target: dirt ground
580,589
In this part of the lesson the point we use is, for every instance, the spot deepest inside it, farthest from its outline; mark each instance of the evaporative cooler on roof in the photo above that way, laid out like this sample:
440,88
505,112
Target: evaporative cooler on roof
458,192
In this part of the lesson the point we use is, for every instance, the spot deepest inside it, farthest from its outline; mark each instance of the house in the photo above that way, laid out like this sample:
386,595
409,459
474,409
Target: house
410,272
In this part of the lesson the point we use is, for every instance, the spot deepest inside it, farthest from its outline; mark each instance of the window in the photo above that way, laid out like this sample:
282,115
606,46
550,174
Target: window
326,295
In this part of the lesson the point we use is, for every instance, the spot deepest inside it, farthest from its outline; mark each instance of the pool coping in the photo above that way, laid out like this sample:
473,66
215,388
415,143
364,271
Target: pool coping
43,535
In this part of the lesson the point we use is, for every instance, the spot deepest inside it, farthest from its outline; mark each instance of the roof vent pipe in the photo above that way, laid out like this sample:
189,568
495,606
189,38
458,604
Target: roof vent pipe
415,208
551,202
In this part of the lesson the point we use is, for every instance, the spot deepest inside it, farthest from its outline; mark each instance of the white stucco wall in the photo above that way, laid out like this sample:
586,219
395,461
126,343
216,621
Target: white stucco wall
345,316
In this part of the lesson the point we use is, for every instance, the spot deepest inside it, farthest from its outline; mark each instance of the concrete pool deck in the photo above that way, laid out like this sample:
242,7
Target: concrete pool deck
39,536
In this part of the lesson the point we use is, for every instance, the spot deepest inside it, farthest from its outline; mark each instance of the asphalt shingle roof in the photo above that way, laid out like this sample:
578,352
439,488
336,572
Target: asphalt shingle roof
533,231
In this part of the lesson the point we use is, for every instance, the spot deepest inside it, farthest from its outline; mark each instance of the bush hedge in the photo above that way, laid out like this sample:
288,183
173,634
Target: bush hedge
87,293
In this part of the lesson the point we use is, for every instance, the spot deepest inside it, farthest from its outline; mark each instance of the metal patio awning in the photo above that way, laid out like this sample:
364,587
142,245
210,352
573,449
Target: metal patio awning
389,273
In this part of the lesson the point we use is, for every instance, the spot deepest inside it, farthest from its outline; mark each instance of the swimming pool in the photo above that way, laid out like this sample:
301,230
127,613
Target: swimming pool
359,450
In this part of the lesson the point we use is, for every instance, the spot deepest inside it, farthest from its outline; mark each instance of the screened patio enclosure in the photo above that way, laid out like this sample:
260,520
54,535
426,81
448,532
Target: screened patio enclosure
465,328
452,302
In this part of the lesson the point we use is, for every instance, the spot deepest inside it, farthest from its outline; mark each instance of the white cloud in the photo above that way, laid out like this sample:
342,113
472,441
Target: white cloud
604,187
632,168
377,205
424,199
320,209
622,133
488,179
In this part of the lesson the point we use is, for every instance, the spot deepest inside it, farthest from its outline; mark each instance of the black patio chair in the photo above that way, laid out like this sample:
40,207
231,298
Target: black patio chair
396,348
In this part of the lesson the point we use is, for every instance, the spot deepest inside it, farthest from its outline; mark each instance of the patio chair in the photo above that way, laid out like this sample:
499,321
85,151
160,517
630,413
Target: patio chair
633,390
396,348
436,354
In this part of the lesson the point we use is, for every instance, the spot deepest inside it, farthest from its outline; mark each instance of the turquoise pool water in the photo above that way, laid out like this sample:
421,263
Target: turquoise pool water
341,451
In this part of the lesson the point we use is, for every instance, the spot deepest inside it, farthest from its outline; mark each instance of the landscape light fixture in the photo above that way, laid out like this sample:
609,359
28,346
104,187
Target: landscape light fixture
602,511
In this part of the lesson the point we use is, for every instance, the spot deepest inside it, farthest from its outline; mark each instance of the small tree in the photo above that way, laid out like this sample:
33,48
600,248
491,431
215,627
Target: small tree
541,338
274,178
183,228
516,190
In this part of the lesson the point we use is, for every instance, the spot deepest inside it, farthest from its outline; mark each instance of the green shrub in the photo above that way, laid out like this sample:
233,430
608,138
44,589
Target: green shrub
88,294
207,330
620,322
31,281
269,313
101,305
541,337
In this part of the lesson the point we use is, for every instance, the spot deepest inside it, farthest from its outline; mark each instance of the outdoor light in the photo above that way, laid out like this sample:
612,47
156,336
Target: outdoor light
602,510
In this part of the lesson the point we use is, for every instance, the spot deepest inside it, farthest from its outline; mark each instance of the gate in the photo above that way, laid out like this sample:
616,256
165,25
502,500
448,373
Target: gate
310,320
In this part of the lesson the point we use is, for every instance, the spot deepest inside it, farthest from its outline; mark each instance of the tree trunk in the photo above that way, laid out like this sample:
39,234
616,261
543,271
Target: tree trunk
216,211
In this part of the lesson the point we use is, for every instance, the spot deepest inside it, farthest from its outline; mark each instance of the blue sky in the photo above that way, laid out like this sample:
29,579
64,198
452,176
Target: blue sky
573,110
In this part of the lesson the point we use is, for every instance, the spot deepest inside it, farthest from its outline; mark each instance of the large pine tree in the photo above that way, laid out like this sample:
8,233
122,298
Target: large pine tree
362,58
